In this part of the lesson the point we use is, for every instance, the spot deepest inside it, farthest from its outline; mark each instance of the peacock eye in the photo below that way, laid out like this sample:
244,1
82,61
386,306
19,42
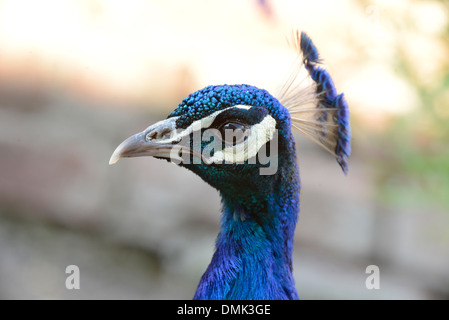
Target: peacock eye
233,126
233,133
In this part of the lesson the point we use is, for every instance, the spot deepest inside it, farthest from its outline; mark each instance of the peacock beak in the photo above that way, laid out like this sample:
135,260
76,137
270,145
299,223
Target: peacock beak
159,140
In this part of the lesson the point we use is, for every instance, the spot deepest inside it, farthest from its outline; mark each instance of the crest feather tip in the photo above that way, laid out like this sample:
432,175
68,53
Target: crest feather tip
310,52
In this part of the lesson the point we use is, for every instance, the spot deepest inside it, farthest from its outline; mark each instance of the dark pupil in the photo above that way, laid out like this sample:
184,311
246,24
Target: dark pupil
233,126
234,133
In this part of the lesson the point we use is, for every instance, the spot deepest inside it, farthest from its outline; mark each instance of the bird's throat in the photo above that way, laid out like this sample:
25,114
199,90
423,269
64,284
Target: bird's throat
253,256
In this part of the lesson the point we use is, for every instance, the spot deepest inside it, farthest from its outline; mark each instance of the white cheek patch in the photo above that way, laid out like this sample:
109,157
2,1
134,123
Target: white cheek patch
260,134
197,125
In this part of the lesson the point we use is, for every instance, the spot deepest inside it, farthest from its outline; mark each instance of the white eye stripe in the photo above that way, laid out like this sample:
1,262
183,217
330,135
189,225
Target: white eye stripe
260,134
203,123
241,106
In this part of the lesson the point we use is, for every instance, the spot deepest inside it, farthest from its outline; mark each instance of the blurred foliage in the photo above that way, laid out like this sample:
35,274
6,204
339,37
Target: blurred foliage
415,148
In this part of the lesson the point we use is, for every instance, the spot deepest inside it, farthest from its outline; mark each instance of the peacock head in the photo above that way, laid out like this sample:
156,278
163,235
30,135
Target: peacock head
233,136
238,137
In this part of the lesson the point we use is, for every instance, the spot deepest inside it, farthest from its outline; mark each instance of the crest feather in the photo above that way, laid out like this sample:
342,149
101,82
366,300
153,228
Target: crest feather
316,110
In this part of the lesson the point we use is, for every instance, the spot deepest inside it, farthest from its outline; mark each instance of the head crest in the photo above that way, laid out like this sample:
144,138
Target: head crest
316,110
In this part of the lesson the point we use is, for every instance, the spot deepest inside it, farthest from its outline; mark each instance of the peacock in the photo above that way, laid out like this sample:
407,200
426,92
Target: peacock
238,139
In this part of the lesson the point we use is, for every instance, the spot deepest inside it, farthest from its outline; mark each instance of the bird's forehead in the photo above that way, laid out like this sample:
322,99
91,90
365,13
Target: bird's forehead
205,102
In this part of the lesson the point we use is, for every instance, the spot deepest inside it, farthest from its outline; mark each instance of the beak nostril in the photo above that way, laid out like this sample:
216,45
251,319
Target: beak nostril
165,134
151,136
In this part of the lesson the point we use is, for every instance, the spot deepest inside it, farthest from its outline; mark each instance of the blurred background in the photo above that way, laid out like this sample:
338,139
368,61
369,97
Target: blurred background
78,77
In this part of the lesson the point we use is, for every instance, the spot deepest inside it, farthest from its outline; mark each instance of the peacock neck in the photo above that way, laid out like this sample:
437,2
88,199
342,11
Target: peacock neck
253,256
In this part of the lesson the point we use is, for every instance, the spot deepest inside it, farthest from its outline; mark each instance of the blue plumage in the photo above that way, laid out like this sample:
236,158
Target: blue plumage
213,98
253,254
